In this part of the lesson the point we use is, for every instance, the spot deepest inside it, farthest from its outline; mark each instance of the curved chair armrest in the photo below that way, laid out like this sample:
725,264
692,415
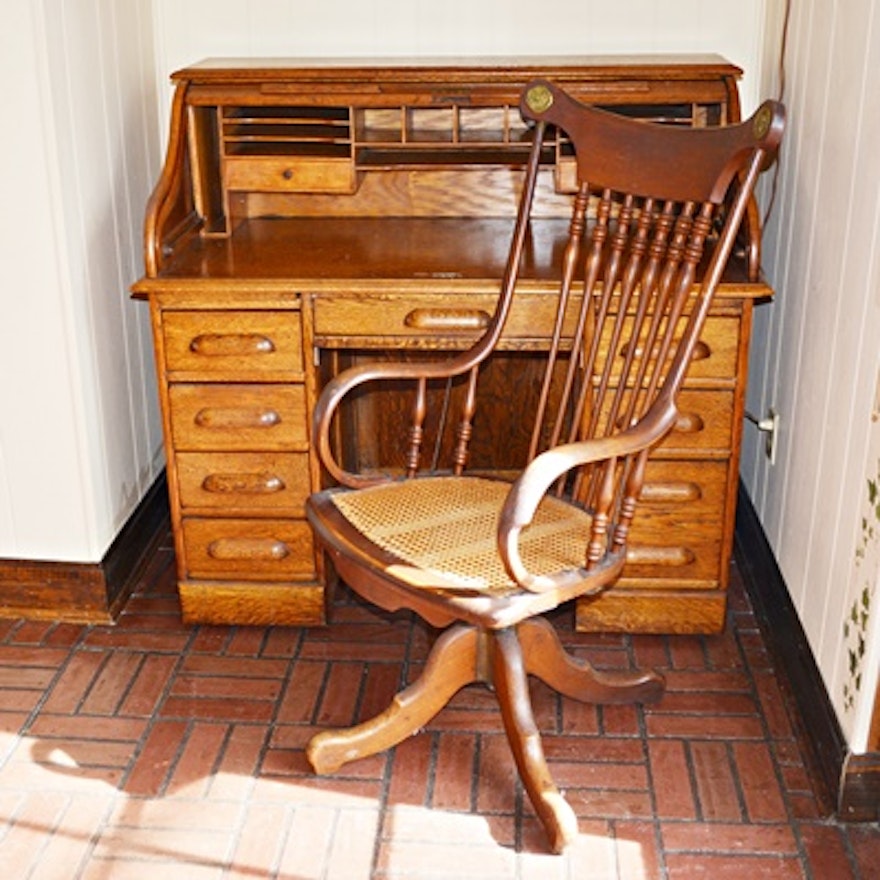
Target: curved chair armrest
347,381
529,489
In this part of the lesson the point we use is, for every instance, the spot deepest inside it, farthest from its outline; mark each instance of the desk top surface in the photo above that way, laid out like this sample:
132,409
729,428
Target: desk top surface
376,249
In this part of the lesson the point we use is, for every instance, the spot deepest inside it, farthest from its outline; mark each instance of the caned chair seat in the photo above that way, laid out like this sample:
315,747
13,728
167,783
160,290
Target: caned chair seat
446,529
654,220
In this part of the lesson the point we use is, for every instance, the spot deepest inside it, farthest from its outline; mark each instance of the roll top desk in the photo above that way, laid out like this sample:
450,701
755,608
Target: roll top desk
312,214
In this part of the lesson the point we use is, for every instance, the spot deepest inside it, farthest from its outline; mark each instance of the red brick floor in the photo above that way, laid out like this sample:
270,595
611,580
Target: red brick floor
154,749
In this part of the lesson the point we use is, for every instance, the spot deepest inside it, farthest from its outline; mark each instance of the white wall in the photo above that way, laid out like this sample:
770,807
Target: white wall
816,351
80,433
195,29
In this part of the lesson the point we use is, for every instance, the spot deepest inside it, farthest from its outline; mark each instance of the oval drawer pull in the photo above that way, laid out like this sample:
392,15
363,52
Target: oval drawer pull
669,556
673,493
227,549
447,319
231,344
243,484
222,418
701,350
689,423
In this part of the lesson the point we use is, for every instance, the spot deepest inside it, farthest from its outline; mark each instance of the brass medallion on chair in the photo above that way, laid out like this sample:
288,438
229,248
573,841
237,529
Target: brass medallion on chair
654,223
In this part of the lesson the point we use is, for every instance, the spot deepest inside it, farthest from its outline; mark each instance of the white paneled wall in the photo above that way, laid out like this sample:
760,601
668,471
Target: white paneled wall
817,349
195,29
80,437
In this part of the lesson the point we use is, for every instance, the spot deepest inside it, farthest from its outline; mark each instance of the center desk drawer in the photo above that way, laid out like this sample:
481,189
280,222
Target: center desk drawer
454,316
239,343
238,417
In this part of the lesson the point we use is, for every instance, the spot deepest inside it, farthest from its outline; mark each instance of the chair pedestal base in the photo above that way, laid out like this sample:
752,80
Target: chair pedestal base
502,659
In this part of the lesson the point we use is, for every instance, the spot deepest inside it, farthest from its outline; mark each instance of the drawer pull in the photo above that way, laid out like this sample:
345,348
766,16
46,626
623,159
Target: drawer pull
231,344
228,549
689,423
447,319
215,417
243,484
672,493
701,350
667,556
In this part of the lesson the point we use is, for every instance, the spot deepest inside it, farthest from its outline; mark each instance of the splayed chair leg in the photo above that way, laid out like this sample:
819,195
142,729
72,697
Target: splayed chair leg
546,658
452,664
512,691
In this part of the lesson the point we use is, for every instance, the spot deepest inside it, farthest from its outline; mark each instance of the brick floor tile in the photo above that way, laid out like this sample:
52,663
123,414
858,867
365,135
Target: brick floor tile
773,706
153,765
199,756
759,783
260,841
593,748
620,720
74,681
427,860
69,848
496,780
638,852
865,843
148,686
246,641
308,842
826,853
721,837
594,803
687,652
605,775
411,771
31,825
670,774
717,793
173,814
341,694
579,718
238,762
111,684
723,681
454,770
725,867
381,682
123,868
48,726
353,846
722,727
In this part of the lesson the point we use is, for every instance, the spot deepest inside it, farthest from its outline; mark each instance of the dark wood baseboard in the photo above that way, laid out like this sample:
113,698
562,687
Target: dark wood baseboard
852,782
87,592
860,788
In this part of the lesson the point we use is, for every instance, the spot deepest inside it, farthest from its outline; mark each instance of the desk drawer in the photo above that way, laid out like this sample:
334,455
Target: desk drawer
703,427
427,317
248,481
291,174
248,549
715,357
242,344
260,418
676,533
